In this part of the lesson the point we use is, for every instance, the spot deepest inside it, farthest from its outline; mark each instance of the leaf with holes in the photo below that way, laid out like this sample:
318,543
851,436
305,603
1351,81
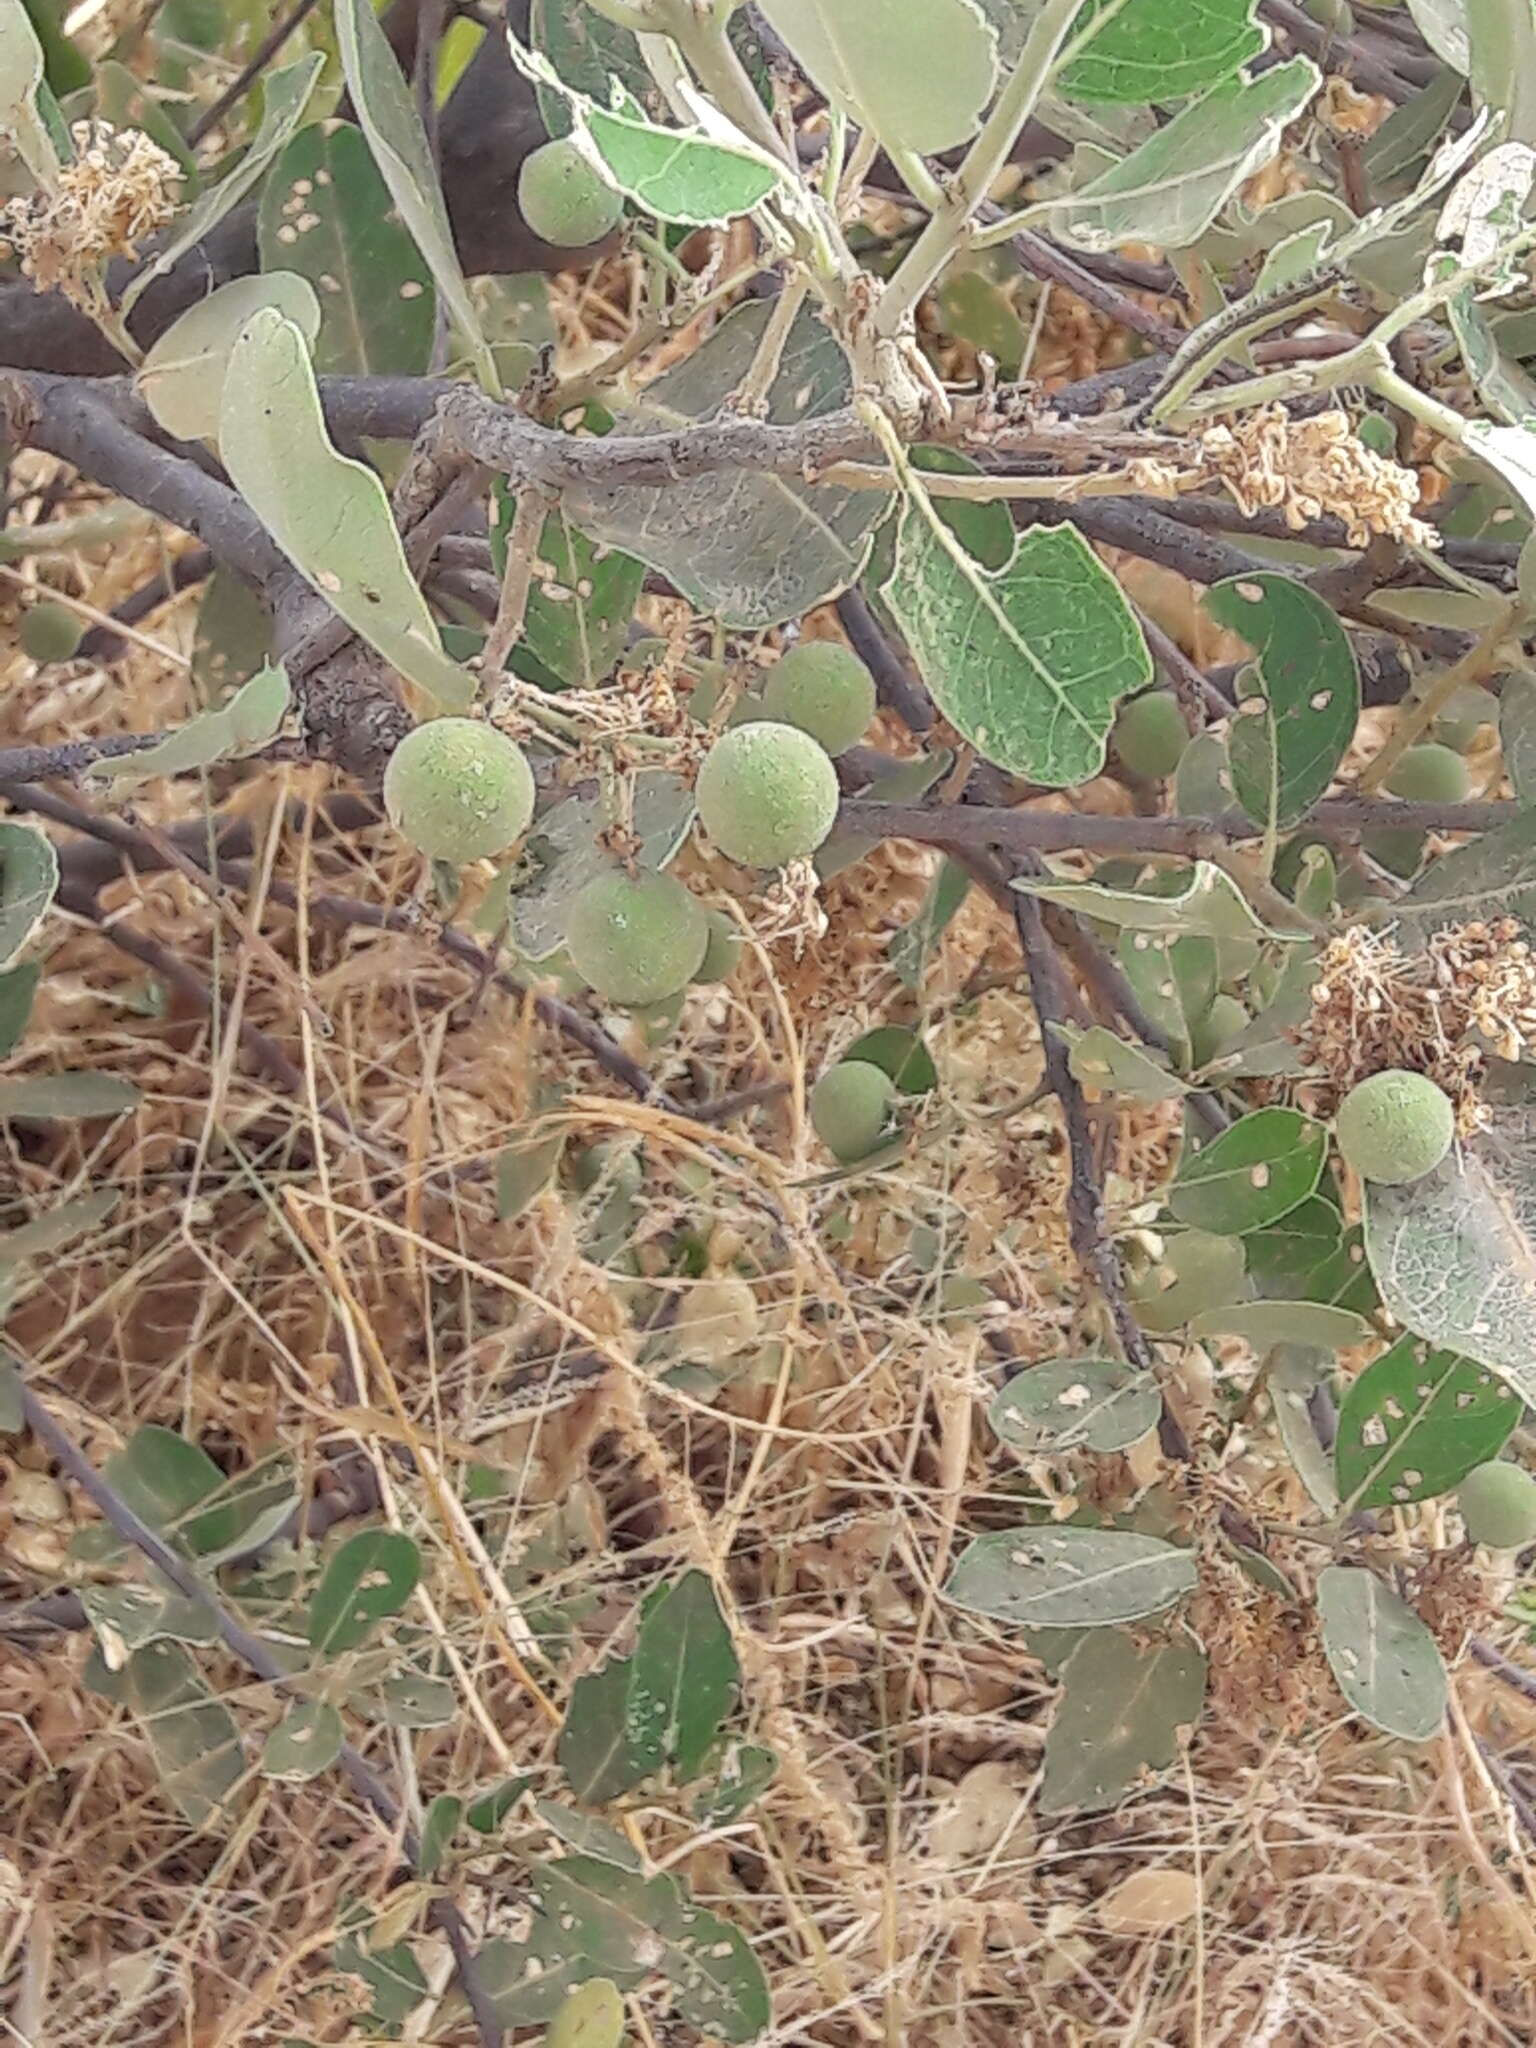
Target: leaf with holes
251,720
181,379
587,52
389,120
523,1172
328,514
1116,1066
195,1741
750,549
304,1743
1453,1253
1310,1256
1067,1404
741,1773
581,601
1068,1577
127,1617
1125,1703
587,1834
683,1676
1416,1422
599,1750
368,1579
29,876
1170,188
875,61
1284,756
1257,1171
326,214
1384,1658
285,96
1029,661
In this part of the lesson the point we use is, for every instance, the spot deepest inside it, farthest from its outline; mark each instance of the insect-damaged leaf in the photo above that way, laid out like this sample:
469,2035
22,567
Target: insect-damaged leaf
1257,1171
683,1674
580,602
601,1753
368,1579
1123,1705
1096,1404
1029,661
1417,1421
1062,1577
304,1743
1384,1658
29,875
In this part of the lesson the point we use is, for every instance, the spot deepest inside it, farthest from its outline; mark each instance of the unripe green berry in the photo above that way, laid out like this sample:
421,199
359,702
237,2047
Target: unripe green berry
1395,1127
563,199
51,632
767,794
722,951
1217,1028
1150,734
850,1106
716,1319
1430,774
825,690
459,790
1498,1505
636,939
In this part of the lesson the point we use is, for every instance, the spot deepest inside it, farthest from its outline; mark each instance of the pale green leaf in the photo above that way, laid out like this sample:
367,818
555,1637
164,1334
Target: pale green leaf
18,988
1126,1702
911,947
523,1172
1443,25
1417,1421
21,76
1098,1059
1384,1658
1027,662
127,1617
181,379
56,1227
1502,38
251,720
1067,1404
585,1833
286,95
388,119
592,2017
1517,733
1210,905
918,76
1294,1375
1489,877
66,1095
1062,1577
564,850
29,875
1316,1324
328,514
304,1743
680,176
195,1741
1170,189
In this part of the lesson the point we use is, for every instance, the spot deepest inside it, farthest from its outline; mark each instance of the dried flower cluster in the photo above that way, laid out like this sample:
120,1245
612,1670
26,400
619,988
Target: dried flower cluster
1308,468
119,188
1469,994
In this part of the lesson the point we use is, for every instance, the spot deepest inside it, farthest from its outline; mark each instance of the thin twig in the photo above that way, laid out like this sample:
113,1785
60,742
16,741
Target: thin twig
534,506
241,84
897,686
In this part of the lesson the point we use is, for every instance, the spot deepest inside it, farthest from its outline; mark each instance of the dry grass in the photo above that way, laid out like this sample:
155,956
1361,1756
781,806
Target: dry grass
262,1284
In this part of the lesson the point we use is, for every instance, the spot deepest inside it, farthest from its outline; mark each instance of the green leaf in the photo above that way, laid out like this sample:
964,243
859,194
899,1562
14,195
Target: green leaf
683,1675
286,94
326,213
1062,1577
1503,384
1443,25
486,1812
305,1743
1125,1702
65,70
1283,759
1502,39
588,52
1310,1256
195,1741
1170,189
393,1976
599,1749
13,1414
415,1699
742,1773
233,638
56,1227
900,1053
681,175
439,1824
1317,1324
911,946
523,1172
181,379
164,1478
18,988
328,514
66,1095
251,720
1028,662
1417,1421
388,119
1517,735
1148,51
1453,1253
1257,1171
584,1832
564,842
1384,1658
524,1986
129,1616
1294,1375
581,601
29,875
749,549
122,100
368,1579
592,2017
21,75
982,526
1209,905
1067,1404
919,77
1098,1059
1490,877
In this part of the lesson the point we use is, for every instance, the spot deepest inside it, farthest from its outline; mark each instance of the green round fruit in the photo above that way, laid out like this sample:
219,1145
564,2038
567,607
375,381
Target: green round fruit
1498,1505
850,1107
825,690
716,1319
51,632
1431,774
767,794
1217,1028
1150,735
1395,1127
722,950
1469,710
563,199
636,939
459,790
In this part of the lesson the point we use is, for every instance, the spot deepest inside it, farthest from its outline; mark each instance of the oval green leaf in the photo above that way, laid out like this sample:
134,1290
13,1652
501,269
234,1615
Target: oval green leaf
1260,1169
1069,1578
29,875
369,1578
918,76
1417,1421
1384,1659
304,1743
1093,1404
181,379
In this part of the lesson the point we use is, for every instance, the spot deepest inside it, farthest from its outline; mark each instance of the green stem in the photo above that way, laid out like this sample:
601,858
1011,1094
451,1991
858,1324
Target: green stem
984,161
